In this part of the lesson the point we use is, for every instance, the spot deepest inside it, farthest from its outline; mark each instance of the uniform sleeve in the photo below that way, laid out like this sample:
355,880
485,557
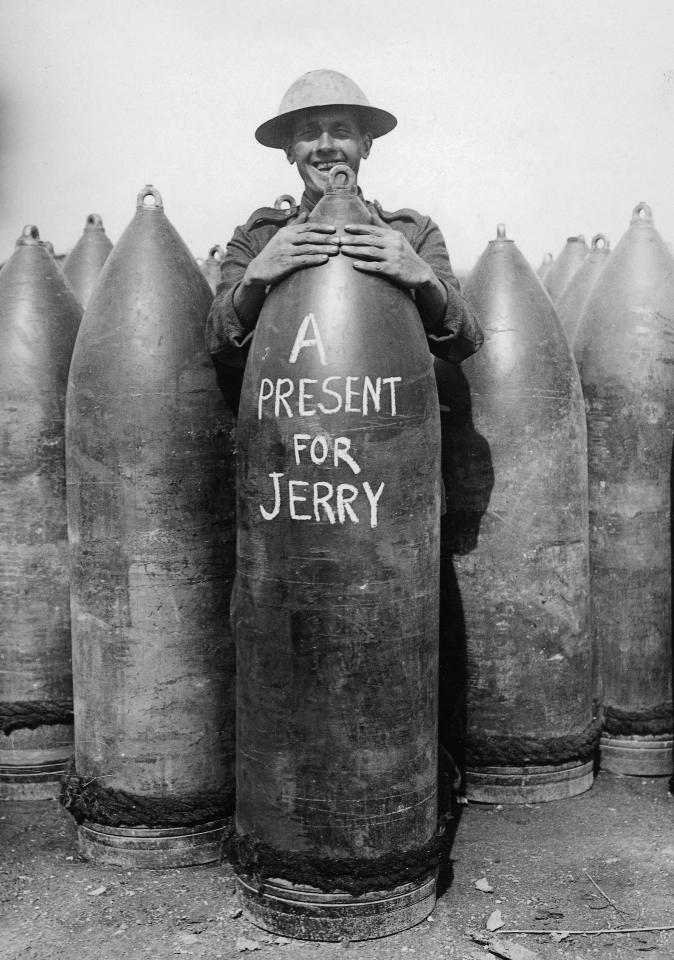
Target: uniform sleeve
457,335
227,338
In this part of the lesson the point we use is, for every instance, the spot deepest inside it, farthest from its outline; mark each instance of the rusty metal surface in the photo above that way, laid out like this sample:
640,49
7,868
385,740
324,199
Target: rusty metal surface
625,352
515,646
336,606
39,318
150,471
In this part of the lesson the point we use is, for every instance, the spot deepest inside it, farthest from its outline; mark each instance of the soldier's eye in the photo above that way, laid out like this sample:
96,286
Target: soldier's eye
308,133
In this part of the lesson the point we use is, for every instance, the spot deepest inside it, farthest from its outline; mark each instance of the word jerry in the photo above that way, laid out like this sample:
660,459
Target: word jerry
334,502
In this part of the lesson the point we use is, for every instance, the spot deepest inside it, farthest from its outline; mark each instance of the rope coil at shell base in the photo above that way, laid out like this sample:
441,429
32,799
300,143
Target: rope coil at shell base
529,750
86,799
259,861
656,720
31,714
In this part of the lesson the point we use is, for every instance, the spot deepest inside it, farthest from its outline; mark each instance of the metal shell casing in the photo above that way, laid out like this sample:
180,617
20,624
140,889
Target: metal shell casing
39,318
150,476
544,267
212,266
85,261
516,632
337,595
564,267
574,297
625,352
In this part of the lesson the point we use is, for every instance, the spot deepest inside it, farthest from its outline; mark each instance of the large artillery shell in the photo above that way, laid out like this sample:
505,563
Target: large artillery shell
84,263
564,267
151,527
212,266
336,603
572,301
515,555
544,267
39,318
625,351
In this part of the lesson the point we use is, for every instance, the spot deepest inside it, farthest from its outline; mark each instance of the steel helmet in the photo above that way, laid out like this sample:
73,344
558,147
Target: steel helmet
322,88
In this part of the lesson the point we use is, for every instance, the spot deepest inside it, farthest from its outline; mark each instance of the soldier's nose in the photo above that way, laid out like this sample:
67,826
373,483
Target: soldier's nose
325,141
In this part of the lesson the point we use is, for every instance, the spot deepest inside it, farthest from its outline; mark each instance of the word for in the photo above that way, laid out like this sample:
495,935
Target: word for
313,501
319,449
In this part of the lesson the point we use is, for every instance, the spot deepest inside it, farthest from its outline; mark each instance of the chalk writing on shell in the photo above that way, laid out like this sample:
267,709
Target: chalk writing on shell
285,398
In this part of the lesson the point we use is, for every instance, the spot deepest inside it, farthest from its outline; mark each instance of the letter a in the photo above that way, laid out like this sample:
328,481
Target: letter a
301,340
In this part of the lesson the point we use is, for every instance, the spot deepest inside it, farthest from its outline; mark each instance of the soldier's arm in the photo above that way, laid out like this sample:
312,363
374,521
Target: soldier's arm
453,333
260,253
410,249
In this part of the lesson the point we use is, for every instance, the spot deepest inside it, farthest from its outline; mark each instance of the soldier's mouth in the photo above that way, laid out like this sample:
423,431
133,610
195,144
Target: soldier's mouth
325,165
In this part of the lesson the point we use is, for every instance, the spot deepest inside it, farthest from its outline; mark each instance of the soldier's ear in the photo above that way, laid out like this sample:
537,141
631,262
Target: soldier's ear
367,145
290,153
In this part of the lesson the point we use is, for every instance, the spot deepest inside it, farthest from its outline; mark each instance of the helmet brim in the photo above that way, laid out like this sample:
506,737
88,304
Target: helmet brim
278,131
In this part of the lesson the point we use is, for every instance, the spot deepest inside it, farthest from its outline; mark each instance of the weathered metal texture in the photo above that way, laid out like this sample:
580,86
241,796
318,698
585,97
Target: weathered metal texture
544,267
311,915
572,301
84,263
285,202
150,475
211,267
563,268
530,784
625,351
154,849
39,318
515,556
637,756
337,589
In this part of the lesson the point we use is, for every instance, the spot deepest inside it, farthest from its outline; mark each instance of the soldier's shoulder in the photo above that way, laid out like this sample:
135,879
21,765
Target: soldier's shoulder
266,216
403,215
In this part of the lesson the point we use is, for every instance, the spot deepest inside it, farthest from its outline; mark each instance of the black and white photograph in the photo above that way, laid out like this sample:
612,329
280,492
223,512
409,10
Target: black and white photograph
337,417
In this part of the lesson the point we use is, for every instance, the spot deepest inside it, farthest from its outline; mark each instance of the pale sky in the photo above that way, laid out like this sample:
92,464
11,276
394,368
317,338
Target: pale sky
554,116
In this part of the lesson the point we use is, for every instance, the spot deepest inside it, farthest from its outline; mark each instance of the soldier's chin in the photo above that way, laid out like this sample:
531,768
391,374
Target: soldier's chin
315,181
320,177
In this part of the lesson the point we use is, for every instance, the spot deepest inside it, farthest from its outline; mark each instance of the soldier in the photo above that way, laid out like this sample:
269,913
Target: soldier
325,119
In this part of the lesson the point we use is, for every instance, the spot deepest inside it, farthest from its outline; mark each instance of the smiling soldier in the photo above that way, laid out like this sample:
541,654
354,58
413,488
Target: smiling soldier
325,119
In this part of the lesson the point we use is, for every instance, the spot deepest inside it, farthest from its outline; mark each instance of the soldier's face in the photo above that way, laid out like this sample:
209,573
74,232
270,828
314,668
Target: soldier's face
320,139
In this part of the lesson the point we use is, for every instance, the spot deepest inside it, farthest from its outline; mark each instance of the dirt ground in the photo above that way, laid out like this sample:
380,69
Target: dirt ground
540,861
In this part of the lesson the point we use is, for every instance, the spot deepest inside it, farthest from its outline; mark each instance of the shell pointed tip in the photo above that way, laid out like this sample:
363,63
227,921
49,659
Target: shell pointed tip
29,234
94,222
149,198
642,212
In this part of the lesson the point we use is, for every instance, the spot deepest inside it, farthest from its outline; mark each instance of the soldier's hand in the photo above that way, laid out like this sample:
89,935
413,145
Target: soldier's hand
297,245
378,248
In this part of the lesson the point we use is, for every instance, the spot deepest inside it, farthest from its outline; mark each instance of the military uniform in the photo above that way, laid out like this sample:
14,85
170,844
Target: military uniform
456,336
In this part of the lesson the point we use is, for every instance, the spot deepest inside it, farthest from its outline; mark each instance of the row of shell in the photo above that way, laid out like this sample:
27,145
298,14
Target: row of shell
518,599
118,413
151,530
81,267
